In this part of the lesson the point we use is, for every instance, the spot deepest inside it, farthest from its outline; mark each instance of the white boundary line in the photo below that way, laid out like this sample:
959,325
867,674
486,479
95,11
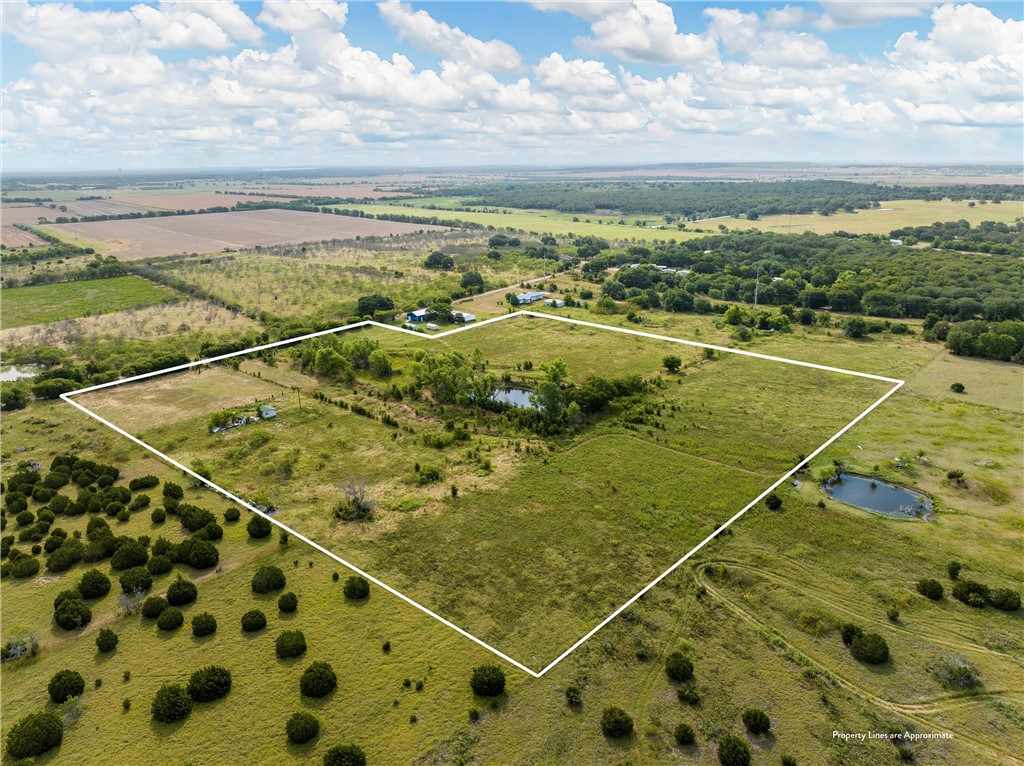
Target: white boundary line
67,397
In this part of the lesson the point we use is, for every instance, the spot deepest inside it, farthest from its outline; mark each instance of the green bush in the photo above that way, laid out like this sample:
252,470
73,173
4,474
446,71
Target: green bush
302,727
356,588
268,578
158,516
930,589
318,680
773,502
143,482
487,680
232,514
258,527
870,648
25,518
1005,599
34,735
615,722
64,685
130,553
684,734
170,618
253,620
159,565
173,490
678,667
787,760
171,703
573,696
291,643
288,602
24,566
345,755
756,721
849,632
971,593
688,694
72,613
733,751
203,624
202,554
209,684
136,580
107,640
181,592
153,607
953,569
94,584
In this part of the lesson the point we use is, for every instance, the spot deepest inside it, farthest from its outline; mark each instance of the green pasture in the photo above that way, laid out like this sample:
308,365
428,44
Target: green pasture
39,304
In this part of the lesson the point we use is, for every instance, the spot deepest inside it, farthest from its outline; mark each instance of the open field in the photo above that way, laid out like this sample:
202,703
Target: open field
156,321
50,211
40,304
13,237
591,543
185,200
214,232
891,215
542,222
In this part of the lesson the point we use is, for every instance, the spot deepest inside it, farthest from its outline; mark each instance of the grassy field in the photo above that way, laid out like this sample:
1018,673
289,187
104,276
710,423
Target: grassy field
891,215
39,304
756,611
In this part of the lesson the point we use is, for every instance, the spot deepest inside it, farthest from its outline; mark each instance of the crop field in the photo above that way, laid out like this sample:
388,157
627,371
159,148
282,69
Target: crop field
891,215
590,542
39,304
13,237
177,199
31,214
155,321
214,232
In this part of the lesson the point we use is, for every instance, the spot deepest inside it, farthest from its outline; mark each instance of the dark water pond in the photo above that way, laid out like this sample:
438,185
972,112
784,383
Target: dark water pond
517,397
879,496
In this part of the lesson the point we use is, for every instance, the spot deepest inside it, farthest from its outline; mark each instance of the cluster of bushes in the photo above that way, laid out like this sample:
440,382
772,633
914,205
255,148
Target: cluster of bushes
869,648
978,595
173,702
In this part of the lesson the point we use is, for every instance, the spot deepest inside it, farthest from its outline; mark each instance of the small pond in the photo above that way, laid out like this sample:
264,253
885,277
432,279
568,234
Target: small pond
879,497
517,397
15,372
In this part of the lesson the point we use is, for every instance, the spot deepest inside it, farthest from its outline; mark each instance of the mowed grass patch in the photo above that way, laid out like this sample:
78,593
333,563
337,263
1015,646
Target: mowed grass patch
39,304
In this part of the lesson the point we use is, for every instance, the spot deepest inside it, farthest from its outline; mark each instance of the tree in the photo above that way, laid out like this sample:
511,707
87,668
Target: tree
1005,599
170,618
870,648
302,727
268,578
64,685
855,327
72,613
971,593
287,602
153,607
35,734
615,722
171,703
258,527
106,640
358,504
130,553
204,624
438,260
472,281
756,721
930,588
318,680
209,684
356,588
290,643
678,667
181,592
345,755
733,751
13,396
672,363
253,620
487,680
368,305
380,364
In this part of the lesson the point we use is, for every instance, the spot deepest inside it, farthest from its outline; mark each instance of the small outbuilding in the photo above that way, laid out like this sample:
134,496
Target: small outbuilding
267,412
461,317
432,326
420,315
555,303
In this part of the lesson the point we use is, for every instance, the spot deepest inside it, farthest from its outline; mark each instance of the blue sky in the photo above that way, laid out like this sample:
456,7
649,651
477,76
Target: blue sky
181,84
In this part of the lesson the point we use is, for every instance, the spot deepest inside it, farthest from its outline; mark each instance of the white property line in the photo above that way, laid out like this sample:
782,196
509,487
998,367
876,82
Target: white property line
67,397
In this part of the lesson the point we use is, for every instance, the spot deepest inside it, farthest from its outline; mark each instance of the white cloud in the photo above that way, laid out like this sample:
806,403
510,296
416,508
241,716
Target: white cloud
843,14
426,33
576,77
303,15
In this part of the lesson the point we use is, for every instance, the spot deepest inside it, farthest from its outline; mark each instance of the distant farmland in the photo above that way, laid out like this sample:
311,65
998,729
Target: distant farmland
214,232
39,304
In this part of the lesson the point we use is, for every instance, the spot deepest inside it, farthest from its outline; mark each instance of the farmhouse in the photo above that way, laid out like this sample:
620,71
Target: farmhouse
525,299
420,315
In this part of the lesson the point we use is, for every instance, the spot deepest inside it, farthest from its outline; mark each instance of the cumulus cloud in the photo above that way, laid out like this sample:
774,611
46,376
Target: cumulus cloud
428,34
303,15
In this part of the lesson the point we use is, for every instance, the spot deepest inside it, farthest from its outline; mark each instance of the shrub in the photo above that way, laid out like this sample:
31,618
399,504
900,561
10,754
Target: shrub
204,624
787,760
34,735
253,620
615,722
25,518
143,482
202,554
957,388
957,673
688,694
573,696
268,578
181,592
24,566
288,602
773,502
106,640
291,643
971,593
173,490
870,648
94,584
72,614
302,727
258,527
318,680
171,703
733,751
129,554
170,618
488,680
1005,599
953,569
849,632
209,684
930,589
345,755
684,734
756,721
64,685
159,565
232,514
356,588
153,607
678,668
158,516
